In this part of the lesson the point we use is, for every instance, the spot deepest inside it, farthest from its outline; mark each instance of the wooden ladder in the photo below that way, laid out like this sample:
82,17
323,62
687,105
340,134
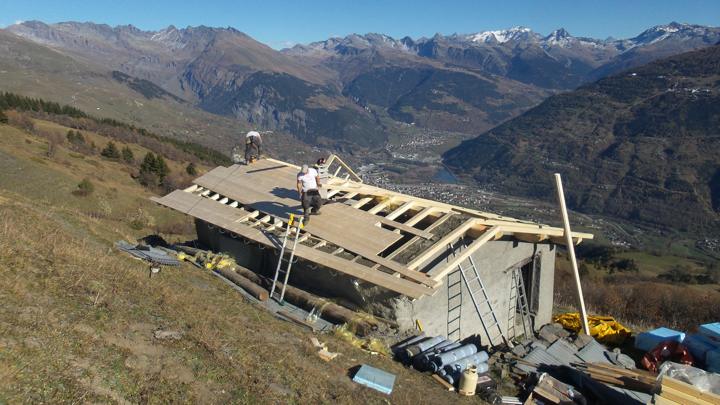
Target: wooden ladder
455,302
518,303
297,225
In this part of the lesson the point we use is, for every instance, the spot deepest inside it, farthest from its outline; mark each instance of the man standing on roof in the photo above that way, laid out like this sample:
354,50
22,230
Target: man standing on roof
253,146
308,183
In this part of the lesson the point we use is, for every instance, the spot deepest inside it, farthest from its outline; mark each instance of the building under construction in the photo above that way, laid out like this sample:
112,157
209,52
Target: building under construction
455,271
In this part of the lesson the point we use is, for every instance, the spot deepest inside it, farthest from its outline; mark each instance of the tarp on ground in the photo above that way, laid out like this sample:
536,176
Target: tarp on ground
604,329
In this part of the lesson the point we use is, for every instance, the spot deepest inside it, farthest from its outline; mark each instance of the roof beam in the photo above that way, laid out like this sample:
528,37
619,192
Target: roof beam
442,244
464,254
400,210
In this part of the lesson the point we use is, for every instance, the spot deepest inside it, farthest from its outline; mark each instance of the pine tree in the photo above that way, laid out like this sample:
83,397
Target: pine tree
161,169
111,151
191,169
127,155
149,163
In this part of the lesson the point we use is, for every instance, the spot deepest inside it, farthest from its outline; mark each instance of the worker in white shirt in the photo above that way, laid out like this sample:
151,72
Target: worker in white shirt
253,146
308,184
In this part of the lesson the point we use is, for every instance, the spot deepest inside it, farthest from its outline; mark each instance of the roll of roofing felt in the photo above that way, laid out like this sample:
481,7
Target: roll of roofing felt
465,362
452,356
414,350
422,361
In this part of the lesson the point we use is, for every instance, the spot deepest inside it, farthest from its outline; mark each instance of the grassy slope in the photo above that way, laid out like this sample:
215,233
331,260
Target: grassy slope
77,316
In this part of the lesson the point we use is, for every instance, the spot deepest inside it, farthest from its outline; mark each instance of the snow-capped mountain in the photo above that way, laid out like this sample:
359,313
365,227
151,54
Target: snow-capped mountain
502,36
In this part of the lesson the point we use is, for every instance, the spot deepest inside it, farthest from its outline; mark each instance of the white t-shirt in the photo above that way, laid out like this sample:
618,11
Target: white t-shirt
308,179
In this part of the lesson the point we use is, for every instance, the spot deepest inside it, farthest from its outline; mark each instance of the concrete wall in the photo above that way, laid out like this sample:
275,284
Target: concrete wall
492,260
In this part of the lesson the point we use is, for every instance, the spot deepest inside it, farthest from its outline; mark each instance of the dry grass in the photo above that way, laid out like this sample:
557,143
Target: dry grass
641,302
77,316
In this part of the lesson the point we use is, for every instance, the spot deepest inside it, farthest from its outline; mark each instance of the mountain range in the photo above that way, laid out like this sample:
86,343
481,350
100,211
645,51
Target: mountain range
354,90
643,145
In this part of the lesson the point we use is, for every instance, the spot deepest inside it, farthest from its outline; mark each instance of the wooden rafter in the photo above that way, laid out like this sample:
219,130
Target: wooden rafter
490,234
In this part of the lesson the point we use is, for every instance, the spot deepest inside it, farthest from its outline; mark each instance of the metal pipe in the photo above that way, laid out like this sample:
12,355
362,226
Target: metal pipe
422,361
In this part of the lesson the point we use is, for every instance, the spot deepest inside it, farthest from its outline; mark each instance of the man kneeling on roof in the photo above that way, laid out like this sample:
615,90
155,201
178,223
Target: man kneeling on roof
308,184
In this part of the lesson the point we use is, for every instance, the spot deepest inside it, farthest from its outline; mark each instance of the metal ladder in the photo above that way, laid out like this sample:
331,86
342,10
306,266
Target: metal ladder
454,287
518,296
296,224
473,283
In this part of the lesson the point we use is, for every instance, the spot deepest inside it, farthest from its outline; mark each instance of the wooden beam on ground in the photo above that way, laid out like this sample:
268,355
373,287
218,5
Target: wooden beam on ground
464,254
400,210
349,196
442,244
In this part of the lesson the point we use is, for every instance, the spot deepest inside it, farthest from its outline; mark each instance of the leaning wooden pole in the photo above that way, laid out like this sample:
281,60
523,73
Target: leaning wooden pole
571,250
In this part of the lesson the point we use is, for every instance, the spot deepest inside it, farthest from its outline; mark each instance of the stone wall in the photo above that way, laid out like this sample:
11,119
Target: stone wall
493,261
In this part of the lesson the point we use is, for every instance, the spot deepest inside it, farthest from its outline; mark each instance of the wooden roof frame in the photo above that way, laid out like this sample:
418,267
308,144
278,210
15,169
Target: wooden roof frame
403,214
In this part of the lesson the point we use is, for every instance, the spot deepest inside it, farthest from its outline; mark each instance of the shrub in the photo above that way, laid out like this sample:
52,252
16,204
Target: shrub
3,118
191,169
127,155
84,188
75,137
111,151
141,219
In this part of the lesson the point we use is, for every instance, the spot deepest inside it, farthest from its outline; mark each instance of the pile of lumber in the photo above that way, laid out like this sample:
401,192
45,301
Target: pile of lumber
549,390
674,391
636,380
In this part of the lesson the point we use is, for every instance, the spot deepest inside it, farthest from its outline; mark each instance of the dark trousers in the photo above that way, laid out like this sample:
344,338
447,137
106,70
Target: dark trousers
253,147
311,198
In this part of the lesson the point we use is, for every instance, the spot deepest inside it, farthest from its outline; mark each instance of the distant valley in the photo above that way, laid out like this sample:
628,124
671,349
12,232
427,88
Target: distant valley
355,91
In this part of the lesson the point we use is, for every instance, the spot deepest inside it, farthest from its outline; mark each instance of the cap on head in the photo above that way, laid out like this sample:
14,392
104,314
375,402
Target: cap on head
304,169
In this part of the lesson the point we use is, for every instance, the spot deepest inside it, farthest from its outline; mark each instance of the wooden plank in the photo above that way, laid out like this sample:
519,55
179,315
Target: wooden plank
463,255
443,383
350,195
414,239
441,245
380,206
269,187
224,217
406,228
484,218
400,210
420,216
400,269
672,383
683,398
660,400
362,202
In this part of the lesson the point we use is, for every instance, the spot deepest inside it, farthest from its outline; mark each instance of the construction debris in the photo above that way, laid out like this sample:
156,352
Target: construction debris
151,254
375,378
323,352
445,359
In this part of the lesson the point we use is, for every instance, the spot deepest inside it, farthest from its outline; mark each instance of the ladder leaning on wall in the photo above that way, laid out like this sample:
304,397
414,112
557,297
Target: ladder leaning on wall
481,301
296,225
518,303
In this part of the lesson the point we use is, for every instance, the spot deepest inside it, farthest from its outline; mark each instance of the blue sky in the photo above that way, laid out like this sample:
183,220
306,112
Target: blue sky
283,23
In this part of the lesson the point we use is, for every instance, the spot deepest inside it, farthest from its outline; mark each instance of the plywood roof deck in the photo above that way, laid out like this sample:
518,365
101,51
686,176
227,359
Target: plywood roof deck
370,223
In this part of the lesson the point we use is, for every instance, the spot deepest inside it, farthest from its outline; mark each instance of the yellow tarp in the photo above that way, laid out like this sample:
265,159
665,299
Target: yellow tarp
604,329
